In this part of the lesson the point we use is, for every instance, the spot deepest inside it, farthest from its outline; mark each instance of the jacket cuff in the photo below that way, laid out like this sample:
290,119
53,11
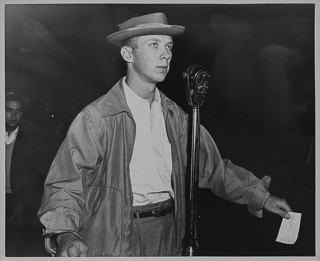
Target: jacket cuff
259,196
56,223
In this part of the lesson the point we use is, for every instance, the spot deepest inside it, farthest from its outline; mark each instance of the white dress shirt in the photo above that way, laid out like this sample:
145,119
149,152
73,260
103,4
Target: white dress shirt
151,163
10,138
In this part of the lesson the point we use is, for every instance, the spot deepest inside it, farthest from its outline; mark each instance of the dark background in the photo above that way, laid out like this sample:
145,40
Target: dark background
260,107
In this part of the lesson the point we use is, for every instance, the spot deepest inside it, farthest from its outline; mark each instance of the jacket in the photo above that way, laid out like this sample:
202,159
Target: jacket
88,188
25,176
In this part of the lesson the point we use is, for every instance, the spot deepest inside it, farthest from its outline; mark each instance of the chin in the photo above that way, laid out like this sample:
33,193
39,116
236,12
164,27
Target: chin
161,79
12,125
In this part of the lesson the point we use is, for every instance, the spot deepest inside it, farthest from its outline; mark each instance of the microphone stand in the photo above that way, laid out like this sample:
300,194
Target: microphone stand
196,82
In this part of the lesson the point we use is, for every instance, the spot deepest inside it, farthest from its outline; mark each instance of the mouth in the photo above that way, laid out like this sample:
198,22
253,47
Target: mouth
162,68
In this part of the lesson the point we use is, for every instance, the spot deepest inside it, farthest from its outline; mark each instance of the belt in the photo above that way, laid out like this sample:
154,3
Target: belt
154,213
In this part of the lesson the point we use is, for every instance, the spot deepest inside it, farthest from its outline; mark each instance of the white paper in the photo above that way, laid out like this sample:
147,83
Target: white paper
289,229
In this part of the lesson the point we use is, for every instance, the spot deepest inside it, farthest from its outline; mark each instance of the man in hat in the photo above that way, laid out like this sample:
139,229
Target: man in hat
117,184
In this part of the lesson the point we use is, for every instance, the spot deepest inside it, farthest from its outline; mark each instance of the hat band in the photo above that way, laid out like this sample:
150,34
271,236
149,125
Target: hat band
149,25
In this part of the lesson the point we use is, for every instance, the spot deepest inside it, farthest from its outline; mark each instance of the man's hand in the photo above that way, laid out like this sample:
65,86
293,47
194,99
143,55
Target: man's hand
19,214
69,245
278,206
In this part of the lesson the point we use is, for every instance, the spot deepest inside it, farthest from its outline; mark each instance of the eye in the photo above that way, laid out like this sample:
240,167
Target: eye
154,44
170,46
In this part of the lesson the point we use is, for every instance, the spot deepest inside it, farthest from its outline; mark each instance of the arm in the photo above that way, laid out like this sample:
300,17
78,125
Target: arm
234,183
63,203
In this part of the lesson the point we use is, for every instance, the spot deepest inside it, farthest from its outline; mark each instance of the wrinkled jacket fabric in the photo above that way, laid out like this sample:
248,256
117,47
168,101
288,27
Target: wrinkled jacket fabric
88,188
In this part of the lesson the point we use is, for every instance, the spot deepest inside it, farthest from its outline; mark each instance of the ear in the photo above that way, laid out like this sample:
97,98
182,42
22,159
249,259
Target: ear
126,53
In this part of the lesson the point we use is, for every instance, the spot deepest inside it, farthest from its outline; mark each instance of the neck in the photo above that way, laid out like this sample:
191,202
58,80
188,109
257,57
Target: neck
144,89
9,130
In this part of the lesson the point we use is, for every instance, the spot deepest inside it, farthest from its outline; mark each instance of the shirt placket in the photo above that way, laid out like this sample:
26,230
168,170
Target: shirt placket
158,142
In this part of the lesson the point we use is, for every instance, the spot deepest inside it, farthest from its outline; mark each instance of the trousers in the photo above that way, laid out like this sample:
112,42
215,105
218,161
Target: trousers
154,236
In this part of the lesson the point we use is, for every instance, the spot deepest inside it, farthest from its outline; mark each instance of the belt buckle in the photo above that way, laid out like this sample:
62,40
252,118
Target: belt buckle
156,212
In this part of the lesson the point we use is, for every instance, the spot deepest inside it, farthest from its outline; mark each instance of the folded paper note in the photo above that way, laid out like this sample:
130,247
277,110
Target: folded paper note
289,229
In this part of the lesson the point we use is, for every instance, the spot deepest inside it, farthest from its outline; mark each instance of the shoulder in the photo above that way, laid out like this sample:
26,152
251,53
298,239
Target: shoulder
96,109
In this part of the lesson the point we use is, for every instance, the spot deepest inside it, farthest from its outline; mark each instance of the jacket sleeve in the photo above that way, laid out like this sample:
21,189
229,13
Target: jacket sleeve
65,188
229,181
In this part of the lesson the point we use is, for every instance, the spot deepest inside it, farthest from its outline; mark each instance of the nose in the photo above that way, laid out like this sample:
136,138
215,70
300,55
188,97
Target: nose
166,54
14,114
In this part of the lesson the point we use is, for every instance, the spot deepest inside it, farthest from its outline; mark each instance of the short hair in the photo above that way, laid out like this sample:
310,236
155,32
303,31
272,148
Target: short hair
131,42
17,99
24,100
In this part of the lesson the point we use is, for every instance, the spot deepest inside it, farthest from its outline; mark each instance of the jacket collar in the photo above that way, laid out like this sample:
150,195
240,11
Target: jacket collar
116,101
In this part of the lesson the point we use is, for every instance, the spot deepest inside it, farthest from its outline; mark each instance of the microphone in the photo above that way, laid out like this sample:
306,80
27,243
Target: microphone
196,79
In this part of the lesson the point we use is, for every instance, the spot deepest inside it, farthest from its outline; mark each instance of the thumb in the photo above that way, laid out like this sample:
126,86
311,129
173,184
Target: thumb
282,213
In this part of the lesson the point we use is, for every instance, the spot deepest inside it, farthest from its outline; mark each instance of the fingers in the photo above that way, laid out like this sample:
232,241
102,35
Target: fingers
75,251
285,206
13,216
71,251
278,206
72,246
283,209
83,250
19,217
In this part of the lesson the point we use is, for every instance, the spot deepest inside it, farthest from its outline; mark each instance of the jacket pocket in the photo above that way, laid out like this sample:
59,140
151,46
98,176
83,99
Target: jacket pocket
103,230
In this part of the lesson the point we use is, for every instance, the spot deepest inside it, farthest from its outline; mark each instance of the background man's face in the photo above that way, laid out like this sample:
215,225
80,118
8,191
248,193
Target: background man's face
151,60
14,113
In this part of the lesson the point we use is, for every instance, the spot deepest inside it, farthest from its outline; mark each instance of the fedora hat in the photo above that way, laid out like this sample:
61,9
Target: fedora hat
15,96
150,24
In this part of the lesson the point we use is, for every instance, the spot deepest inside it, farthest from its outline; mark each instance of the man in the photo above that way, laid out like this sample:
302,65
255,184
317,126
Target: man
23,181
117,184
15,106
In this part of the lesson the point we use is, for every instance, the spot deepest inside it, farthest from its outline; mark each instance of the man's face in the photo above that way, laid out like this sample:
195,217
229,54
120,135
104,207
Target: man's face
14,113
152,57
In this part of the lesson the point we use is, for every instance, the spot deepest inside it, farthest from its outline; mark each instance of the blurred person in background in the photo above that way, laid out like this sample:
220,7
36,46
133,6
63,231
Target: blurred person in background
23,181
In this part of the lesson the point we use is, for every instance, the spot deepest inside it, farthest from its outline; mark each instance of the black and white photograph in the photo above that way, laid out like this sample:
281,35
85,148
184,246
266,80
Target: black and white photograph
159,129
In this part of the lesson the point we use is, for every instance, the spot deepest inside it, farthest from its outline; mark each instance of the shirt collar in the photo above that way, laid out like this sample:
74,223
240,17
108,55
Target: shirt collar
10,138
115,101
132,97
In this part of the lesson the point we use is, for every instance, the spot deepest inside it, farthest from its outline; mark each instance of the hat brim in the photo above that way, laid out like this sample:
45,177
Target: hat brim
118,37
